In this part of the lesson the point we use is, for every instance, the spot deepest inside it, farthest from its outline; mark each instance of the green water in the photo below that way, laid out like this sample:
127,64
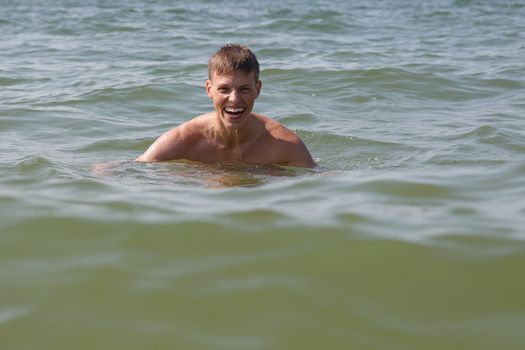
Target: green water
409,235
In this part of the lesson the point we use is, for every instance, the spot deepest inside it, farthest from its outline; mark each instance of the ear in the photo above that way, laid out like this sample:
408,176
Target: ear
258,86
208,88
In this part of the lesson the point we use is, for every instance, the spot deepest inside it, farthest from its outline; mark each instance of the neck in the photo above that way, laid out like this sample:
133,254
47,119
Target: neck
230,136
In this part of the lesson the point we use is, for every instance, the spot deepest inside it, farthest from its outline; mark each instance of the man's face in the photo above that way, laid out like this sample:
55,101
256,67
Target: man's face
233,96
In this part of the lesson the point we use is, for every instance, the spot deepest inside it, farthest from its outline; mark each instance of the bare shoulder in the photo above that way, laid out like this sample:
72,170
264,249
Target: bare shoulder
287,143
174,143
278,131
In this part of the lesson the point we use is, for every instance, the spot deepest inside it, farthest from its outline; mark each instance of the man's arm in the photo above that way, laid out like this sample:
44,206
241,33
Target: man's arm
291,147
288,144
298,155
166,147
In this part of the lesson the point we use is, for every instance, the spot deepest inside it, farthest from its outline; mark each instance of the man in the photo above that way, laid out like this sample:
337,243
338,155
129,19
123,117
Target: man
231,133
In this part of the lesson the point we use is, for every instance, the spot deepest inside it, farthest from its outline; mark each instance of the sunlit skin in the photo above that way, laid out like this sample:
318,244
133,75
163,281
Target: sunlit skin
233,97
232,132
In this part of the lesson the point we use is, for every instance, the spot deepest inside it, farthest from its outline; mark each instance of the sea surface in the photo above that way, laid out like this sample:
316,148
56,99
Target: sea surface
409,235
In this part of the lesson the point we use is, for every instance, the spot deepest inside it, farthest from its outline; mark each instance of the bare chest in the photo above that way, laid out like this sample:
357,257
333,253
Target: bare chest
260,151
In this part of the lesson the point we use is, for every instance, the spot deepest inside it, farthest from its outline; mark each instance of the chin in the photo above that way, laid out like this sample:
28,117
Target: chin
235,122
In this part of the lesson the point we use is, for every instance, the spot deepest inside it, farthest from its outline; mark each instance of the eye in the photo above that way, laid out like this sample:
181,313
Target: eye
223,90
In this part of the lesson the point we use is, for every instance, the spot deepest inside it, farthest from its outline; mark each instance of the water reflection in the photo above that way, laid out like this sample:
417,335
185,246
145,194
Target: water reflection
216,176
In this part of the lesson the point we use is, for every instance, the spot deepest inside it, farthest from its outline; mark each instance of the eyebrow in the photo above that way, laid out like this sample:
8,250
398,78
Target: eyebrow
228,85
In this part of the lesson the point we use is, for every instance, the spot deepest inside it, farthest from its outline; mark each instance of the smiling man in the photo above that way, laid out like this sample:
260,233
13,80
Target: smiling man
232,133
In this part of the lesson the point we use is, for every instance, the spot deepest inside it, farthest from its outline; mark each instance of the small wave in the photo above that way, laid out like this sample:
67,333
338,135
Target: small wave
115,144
410,189
462,3
36,165
273,217
63,31
441,14
304,25
323,14
514,5
298,118
6,81
277,52
8,315
502,84
115,28
477,132
350,152
128,94
419,81
489,135
177,11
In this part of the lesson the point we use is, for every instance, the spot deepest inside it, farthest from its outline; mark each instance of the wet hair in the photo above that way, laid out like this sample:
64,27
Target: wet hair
232,58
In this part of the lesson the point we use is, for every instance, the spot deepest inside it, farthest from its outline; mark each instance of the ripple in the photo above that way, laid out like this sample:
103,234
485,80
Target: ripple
6,81
36,165
115,28
129,94
488,135
298,119
503,84
8,315
351,152
408,190
178,11
477,132
307,24
273,218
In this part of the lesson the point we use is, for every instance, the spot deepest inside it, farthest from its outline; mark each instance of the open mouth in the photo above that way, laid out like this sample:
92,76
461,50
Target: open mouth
234,113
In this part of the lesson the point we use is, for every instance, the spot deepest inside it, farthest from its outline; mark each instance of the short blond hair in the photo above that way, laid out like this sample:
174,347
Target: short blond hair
232,58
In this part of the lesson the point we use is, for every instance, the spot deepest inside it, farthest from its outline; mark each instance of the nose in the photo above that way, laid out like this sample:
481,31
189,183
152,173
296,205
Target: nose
234,96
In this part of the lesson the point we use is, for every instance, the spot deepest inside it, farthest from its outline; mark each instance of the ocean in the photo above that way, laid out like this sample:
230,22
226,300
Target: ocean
410,234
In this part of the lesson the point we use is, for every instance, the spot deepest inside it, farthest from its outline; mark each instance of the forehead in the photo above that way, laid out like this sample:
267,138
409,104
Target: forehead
237,78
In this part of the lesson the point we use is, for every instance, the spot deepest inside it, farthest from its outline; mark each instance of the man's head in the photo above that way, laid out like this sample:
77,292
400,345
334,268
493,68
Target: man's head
233,84
233,58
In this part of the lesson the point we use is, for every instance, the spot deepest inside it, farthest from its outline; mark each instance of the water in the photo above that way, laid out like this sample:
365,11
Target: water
410,235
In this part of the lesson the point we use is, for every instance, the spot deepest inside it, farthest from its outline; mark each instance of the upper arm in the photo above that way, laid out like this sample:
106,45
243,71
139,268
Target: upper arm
168,146
299,156
296,153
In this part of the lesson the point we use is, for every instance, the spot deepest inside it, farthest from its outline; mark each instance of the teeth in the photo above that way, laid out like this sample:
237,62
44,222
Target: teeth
234,110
